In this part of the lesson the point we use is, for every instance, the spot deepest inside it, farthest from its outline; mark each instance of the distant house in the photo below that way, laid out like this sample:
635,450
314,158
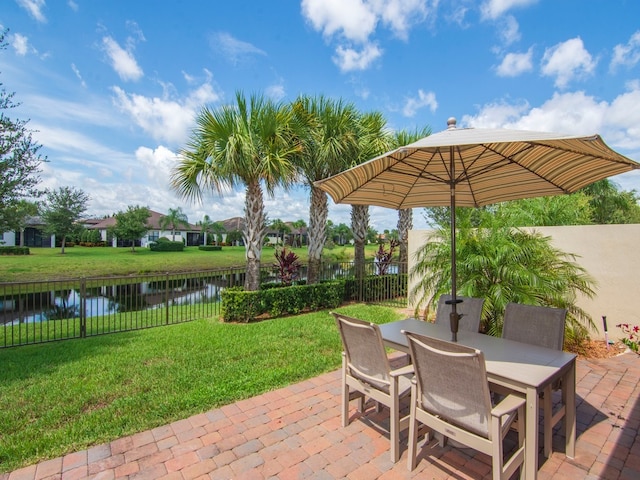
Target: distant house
190,235
32,236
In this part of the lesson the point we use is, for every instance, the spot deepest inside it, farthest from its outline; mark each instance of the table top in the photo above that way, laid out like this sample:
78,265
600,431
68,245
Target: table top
516,362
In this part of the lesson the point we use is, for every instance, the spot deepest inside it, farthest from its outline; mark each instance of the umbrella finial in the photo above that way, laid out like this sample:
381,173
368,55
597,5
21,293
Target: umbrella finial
451,123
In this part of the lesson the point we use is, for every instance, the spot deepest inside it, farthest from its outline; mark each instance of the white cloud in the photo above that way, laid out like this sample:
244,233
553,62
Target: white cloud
349,59
567,61
164,118
157,164
77,72
20,44
352,19
34,7
72,5
122,61
626,55
233,48
493,9
400,15
514,64
276,92
424,100
509,30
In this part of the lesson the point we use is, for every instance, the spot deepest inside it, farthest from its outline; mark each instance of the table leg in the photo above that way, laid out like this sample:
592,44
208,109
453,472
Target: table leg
531,437
569,392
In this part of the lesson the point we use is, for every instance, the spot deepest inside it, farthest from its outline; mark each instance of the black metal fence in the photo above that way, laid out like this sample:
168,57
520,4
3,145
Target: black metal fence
38,312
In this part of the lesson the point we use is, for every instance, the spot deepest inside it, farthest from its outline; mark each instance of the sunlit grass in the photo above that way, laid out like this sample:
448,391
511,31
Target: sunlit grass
66,396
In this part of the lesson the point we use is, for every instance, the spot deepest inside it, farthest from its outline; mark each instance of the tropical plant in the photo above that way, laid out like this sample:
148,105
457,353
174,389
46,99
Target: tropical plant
19,215
20,159
287,266
173,220
327,131
61,211
610,205
502,264
131,225
383,256
249,144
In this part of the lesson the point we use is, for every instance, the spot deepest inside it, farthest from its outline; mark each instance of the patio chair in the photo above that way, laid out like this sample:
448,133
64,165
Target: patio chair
470,310
542,326
366,372
450,395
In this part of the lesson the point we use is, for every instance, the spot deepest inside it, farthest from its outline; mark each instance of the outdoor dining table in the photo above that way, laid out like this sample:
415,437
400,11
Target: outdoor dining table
518,366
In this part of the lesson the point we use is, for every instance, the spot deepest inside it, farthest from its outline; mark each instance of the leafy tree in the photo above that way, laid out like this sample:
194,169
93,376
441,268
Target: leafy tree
610,205
502,264
174,219
327,132
572,209
234,236
131,224
20,159
61,211
250,144
205,225
217,228
18,217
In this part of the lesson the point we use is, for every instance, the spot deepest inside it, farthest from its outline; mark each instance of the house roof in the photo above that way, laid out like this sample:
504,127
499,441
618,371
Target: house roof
153,222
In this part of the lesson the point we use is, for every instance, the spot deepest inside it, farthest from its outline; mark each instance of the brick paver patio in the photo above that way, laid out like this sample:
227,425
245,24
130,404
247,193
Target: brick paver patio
295,433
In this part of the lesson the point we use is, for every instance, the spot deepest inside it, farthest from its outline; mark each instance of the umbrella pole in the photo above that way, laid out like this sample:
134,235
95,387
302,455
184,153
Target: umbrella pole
454,317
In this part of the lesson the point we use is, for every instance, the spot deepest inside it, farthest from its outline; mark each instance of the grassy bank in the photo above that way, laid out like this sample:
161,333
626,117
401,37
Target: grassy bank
63,397
50,264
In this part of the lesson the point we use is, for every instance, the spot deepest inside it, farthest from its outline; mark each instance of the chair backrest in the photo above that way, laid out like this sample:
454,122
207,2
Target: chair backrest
535,325
470,308
452,382
364,350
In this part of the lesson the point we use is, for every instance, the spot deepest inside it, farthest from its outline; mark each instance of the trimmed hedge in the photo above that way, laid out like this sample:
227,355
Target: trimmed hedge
377,287
166,245
14,251
210,248
239,305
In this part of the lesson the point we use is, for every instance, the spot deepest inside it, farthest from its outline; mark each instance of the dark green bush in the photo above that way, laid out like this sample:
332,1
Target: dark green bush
14,251
210,248
377,287
239,305
166,245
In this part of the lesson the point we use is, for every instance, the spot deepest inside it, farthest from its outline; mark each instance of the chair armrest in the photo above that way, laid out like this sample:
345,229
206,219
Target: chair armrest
510,403
406,370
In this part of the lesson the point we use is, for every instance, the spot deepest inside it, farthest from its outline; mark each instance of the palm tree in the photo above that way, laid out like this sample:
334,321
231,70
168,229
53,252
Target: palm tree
299,225
327,130
373,140
248,144
405,215
280,227
502,264
174,219
217,229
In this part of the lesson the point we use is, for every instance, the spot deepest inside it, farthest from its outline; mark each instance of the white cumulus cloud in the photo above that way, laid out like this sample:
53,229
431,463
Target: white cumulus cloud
349,59
514,64
626,55
567,61
122,61
493,9
425,99
20,44
34,7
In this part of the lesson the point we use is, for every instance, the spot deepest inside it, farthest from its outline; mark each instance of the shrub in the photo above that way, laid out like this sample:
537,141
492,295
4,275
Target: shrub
210,248
287,266
166,245
14,251
239,305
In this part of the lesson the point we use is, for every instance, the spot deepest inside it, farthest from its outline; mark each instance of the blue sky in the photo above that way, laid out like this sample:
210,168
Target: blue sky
112,87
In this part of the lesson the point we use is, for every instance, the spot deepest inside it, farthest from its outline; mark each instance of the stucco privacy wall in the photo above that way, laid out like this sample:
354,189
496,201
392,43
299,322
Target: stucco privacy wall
609,253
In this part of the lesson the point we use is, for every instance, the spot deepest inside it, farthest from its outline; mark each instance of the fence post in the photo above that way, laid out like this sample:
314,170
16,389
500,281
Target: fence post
83,308
166,299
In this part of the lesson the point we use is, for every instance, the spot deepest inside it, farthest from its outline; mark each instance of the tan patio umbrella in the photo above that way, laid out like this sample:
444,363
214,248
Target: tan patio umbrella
472,167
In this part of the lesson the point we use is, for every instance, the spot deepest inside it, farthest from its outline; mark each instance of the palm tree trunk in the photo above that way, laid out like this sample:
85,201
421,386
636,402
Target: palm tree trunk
405,223
317,232
255,228
359,226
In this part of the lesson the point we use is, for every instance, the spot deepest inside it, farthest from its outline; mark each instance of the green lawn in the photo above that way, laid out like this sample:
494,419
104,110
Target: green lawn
62,397
50,264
